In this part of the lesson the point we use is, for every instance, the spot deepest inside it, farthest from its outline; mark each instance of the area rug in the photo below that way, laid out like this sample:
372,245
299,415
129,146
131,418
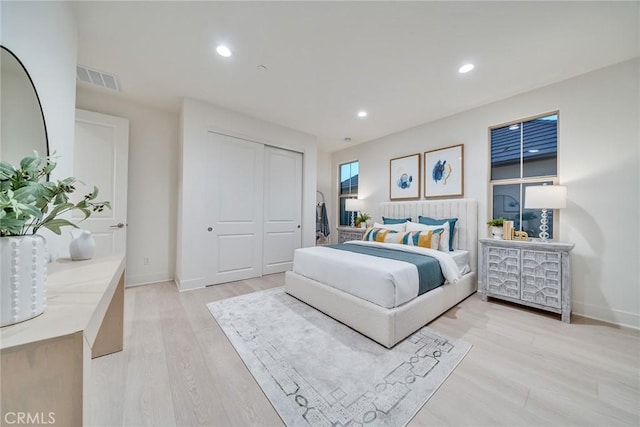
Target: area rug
318,372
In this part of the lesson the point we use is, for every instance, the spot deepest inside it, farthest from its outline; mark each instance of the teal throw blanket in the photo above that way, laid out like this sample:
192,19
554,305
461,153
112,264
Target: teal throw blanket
429,272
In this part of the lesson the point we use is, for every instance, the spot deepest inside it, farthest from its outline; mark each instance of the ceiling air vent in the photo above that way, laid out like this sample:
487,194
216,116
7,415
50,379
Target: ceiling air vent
97,78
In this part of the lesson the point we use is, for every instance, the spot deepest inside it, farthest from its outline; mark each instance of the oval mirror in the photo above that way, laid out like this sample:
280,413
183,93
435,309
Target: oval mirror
22,127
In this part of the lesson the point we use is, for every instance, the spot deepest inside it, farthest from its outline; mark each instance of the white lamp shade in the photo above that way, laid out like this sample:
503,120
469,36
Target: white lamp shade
352,205
545,197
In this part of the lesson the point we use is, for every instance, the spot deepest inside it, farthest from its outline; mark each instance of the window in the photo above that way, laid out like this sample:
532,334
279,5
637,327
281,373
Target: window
523,153
348,189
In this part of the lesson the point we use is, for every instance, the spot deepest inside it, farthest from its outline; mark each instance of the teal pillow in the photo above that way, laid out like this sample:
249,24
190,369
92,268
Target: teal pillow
432,221
395,220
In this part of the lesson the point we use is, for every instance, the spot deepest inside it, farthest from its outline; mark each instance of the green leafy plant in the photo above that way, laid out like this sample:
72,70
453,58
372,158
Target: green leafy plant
29,202
363,217
496,222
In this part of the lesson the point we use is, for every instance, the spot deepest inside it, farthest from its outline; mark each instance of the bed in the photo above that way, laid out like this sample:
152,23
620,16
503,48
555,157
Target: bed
389,325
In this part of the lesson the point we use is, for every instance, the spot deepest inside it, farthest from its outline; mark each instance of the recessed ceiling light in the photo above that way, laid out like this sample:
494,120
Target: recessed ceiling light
262,68
533,151
514,127
223,51
347,139
362,114
466,68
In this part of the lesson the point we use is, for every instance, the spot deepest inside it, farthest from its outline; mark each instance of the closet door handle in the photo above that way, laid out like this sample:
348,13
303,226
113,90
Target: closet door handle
298,225
210,229
118,225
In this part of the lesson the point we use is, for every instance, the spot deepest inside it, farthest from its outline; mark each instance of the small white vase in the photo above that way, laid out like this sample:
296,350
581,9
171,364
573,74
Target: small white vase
82,246
23,278
497,232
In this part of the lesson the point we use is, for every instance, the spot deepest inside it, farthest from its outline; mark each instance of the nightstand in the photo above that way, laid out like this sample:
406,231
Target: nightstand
350,233
530,273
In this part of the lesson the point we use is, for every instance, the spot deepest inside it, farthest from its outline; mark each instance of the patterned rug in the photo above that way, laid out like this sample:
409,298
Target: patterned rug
319,372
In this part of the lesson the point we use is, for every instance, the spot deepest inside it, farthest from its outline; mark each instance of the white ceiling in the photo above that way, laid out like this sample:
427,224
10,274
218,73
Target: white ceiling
328,60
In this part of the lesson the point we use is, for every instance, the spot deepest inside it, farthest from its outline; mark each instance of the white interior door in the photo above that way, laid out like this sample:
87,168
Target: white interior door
282,208
101,150
235,174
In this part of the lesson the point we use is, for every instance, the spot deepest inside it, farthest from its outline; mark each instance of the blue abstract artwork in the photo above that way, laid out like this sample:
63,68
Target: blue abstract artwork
404,177
405,181
444,172
441,171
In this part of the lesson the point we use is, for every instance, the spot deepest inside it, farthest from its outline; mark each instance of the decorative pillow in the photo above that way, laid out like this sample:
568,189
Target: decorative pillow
426,238
395,220
381,235
444,238
432,221
395,227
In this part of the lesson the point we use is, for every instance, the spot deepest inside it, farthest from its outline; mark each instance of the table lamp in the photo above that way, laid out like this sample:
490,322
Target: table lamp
352,205
545,197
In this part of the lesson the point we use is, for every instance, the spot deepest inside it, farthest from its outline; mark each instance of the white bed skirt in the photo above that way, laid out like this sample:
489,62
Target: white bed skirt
383,325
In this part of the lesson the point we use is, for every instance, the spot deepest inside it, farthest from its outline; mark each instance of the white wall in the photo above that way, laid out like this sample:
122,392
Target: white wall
598,160
153,183
43,35
196,119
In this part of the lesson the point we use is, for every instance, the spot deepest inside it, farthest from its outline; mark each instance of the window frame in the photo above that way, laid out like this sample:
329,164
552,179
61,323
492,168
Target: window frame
345,196
526,180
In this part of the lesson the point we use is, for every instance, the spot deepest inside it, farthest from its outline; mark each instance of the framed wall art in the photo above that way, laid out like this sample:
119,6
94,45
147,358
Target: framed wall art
444,172
404,177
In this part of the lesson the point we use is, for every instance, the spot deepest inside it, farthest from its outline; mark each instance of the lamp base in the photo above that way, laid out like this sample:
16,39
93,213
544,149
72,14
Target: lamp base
544,227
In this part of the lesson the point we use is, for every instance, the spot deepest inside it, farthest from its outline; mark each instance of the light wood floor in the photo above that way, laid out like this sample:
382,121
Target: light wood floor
525,367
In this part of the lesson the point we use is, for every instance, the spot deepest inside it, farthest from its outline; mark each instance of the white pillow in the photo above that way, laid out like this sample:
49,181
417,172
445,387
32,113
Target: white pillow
444,238
394,227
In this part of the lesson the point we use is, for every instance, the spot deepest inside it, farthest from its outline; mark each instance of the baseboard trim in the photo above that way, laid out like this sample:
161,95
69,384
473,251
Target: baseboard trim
605,314
146,279
191,284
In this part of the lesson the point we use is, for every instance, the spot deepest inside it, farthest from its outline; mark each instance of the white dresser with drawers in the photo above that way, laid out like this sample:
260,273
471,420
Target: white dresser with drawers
530,273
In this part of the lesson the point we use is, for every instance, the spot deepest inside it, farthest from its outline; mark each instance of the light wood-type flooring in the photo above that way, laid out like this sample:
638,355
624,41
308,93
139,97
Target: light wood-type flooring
526,368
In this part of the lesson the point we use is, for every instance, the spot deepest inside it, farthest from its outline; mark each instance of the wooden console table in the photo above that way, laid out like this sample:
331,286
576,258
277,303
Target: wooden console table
45,361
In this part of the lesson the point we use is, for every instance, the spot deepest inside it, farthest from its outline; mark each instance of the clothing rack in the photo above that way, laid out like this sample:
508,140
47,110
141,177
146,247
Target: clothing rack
322,222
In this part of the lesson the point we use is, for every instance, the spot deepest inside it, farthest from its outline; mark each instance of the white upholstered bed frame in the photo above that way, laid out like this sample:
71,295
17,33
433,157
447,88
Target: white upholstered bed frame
389,326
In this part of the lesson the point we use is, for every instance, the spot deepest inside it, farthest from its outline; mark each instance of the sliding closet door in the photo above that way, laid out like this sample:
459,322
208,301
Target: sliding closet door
282,208
235,175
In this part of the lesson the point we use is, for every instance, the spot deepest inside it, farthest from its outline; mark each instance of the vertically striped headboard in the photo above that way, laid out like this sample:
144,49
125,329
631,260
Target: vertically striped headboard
465,236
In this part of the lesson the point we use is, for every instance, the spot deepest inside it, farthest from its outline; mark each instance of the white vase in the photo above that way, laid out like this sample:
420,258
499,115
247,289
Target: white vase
23,278
82,246
497,232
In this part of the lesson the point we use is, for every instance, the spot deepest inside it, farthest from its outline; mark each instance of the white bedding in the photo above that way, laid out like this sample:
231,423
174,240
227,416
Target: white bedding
462,261
385,282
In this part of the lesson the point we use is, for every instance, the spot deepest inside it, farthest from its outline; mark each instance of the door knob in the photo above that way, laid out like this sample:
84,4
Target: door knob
210,229
118,225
